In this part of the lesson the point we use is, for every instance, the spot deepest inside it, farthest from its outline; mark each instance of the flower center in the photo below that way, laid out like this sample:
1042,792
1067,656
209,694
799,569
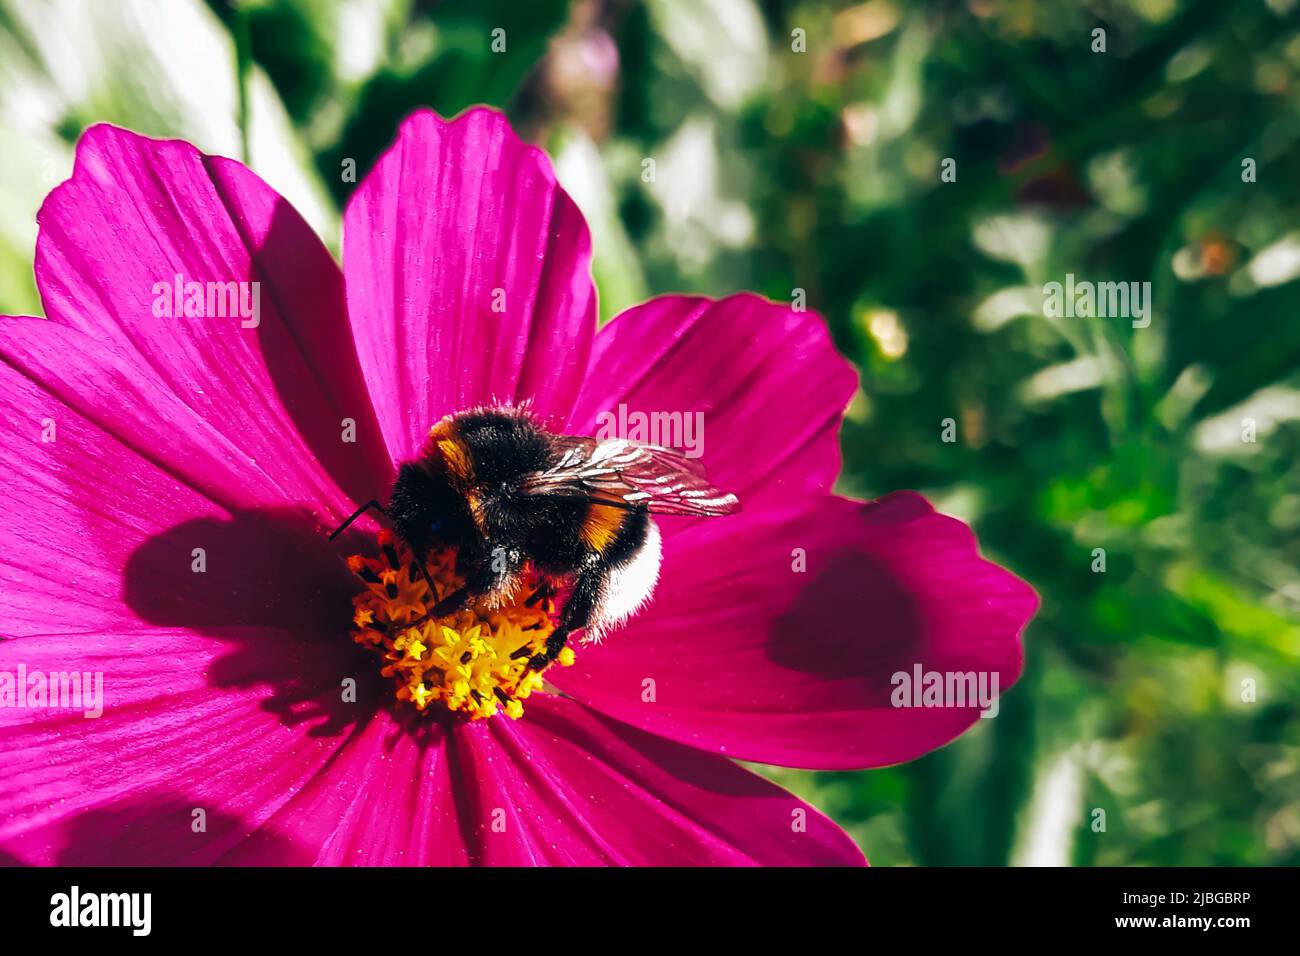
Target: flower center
473,661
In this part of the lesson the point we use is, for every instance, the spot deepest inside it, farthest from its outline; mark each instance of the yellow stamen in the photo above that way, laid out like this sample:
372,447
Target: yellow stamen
474,661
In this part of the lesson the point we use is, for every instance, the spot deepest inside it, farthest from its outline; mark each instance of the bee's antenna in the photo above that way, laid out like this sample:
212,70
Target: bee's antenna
373,503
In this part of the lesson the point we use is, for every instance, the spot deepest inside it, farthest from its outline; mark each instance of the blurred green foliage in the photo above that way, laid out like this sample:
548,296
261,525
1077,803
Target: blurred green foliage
799,145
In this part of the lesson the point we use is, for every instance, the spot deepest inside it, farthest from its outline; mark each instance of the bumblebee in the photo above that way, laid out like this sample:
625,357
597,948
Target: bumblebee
507,495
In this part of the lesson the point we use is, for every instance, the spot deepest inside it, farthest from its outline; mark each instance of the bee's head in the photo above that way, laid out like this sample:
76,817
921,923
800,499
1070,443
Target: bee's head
438,527
428,510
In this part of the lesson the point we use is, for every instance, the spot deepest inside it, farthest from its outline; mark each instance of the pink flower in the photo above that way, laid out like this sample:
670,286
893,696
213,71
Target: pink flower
168,481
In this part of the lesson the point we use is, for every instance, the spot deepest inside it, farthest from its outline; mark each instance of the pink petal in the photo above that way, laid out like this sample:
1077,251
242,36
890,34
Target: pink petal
254,415
564,786
751,658
468,278
766,380
222,724
104,535
221,687
388,798
87,502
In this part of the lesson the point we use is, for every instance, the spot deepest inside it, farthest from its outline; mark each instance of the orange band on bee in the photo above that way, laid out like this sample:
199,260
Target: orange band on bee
453,452
457,462
601,526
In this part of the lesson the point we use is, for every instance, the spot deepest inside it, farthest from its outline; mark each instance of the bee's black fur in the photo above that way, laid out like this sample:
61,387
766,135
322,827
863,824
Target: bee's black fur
419,503
505,446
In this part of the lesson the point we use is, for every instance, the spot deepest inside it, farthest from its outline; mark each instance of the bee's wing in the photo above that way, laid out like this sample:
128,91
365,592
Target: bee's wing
627,474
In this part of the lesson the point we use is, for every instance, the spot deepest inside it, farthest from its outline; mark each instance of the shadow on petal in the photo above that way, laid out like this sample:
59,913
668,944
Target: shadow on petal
8,859
167,829
306,341
852,593
267,583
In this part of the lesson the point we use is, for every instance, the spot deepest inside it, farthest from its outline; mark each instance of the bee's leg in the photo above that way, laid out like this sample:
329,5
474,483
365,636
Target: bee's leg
417,560
554,644
503,565
424,572
451,603
577,612
544,591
